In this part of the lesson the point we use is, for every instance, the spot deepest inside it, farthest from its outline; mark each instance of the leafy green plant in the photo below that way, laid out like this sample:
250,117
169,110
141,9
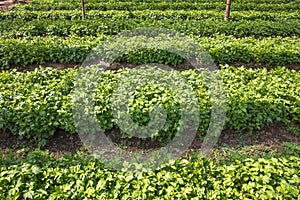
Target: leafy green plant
35,104
223,49
16,28
156,5
78,177
291,148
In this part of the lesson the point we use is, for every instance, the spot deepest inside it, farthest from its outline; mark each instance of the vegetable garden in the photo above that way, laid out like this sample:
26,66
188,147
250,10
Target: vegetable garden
258,55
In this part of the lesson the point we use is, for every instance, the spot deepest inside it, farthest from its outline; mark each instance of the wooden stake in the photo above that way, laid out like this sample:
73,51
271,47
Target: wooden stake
83,10
227,12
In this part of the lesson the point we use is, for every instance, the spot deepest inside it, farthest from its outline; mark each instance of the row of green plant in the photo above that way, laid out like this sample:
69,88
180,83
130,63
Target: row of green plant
123,6
168,1
15,28
42,176
159,6
36,104
149,14
40,50
223,49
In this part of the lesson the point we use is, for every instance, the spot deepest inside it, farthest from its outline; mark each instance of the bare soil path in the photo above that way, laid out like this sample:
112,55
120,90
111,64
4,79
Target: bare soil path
7,4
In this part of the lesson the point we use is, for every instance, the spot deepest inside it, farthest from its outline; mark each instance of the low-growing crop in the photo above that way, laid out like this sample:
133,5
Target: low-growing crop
35,104
187,178
148,14
158,5
16,28
275,51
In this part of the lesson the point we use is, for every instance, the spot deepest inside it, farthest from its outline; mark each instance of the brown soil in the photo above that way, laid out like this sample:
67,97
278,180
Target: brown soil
7,4
62,142
269,135
53,65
